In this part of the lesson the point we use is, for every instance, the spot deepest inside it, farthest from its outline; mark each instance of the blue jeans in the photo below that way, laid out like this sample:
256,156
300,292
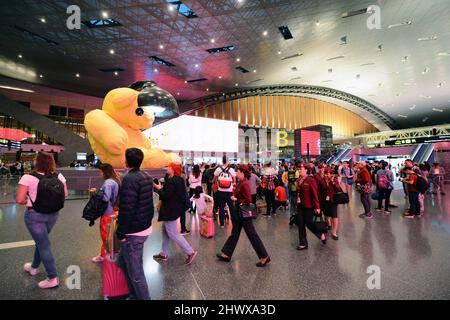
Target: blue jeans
131,262
40,225
414,203
170,231
365,200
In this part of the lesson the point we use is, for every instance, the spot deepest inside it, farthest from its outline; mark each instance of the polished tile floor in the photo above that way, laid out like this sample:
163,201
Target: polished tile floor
413,257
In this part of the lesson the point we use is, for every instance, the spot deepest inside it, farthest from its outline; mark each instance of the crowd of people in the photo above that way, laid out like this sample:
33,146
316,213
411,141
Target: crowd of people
311,192
16,168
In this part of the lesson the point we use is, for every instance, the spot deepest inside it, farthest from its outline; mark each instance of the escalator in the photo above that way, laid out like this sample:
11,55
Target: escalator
340,154
428,153
72,142
419,153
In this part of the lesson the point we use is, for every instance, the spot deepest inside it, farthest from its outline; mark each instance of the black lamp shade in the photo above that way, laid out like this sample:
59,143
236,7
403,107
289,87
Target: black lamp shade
159,101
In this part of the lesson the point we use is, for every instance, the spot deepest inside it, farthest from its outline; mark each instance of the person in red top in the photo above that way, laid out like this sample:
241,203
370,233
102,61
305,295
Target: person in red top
280,196
328,206
307,205
365,187
413,193
242,196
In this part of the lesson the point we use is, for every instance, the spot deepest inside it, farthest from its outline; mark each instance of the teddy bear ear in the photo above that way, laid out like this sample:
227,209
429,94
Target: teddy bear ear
120,98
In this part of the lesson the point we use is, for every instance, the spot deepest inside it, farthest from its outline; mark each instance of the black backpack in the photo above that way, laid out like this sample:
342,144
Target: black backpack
50,194
421,184
95,207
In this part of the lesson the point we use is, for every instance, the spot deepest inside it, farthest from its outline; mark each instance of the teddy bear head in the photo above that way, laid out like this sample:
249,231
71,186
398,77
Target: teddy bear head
121,104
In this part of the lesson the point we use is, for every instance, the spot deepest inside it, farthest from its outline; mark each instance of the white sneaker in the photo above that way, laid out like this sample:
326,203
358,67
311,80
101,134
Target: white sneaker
48,284
97,259
28,268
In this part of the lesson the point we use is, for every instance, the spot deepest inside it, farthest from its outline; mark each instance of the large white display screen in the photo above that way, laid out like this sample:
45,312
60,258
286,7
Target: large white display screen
188,133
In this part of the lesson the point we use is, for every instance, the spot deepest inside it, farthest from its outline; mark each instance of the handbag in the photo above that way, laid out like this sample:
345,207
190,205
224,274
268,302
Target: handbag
248,211
375,196
321,226
364,188
341,198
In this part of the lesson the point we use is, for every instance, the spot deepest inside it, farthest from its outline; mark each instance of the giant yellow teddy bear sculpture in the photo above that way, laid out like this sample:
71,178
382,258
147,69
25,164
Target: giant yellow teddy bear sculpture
118,126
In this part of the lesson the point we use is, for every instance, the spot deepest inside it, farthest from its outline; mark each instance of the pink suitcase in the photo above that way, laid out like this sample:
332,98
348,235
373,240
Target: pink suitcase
206,226
114,281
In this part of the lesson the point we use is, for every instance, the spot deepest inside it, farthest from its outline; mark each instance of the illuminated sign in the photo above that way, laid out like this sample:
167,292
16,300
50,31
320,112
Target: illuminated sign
402,142
282,139
189,133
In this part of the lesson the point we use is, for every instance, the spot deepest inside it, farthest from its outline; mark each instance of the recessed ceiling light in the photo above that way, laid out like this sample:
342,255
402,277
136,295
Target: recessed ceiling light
220,77
178,93
77,75
196,65
317,23
427,38
185,81
437,110
391,73
170,7
425,119
238,59
405,59
380,48
236,84
402,116
104,14
444,54
15,88
20,56
424,96
116,73
43,20
111,51
441,84
254,70
156,70
41,76
279,52
426,70
265,33
161,46
412,107
403,24
213,40
207,89
335,58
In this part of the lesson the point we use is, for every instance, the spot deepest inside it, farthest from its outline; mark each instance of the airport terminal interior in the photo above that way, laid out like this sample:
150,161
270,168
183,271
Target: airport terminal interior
332,117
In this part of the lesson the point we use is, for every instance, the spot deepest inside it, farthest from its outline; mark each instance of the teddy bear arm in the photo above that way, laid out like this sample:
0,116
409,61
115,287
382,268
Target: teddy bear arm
157,158
106,132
